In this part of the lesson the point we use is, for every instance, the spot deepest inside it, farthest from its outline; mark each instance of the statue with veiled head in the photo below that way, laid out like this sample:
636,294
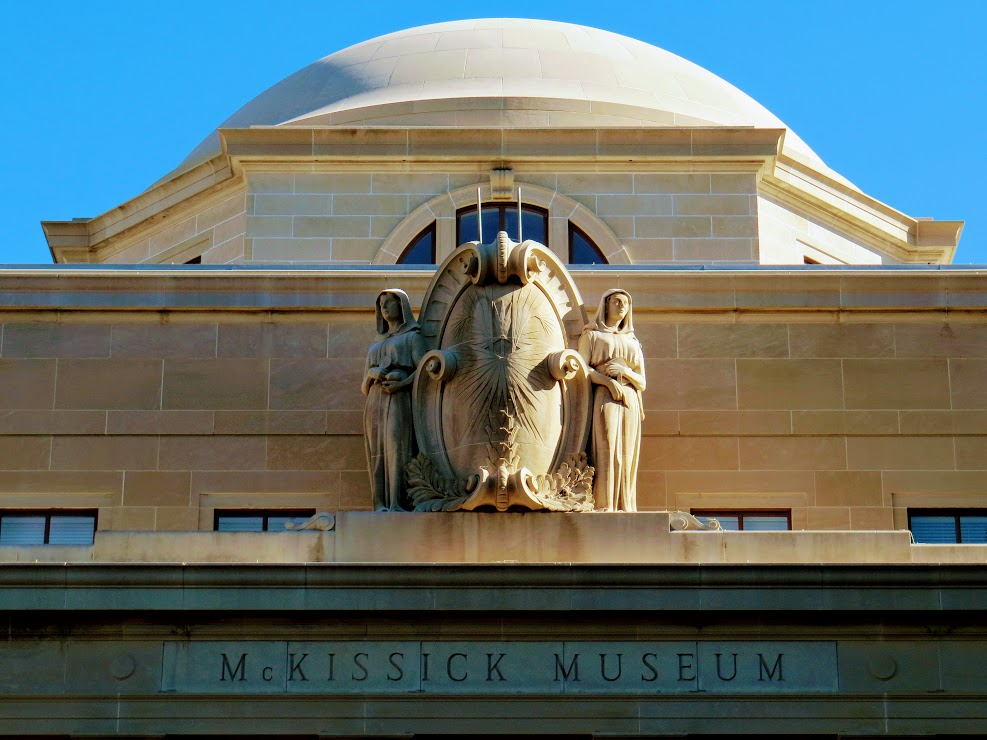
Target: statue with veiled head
616,369
391,365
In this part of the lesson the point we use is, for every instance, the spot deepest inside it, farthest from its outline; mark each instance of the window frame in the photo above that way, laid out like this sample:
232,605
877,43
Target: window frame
502,208
573,231
48,514
265,513
956,513
741,513
430,229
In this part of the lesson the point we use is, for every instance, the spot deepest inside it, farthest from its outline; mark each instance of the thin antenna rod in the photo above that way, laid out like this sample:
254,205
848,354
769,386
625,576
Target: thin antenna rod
479,216
519,239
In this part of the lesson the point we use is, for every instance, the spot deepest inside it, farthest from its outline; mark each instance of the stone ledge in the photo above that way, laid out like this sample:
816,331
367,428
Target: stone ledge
671,289
623,144
497,588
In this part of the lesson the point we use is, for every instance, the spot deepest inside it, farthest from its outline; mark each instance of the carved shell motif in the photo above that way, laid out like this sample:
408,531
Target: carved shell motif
501,407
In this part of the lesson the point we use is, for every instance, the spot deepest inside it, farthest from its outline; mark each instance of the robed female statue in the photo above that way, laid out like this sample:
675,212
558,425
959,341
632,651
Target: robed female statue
616,368
387,383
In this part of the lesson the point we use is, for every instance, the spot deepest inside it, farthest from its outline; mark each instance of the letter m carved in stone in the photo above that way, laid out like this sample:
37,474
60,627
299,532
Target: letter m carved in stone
572,670
232,671
776,668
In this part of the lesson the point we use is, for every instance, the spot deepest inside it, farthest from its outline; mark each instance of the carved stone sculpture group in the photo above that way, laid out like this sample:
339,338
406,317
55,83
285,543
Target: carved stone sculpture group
484,404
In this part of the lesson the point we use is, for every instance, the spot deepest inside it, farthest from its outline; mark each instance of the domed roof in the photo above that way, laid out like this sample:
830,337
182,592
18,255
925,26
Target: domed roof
503,72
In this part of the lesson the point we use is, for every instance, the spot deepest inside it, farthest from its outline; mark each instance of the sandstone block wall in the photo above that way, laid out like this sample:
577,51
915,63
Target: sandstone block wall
345,217
156,422
846,424
663,217
334,217
157,418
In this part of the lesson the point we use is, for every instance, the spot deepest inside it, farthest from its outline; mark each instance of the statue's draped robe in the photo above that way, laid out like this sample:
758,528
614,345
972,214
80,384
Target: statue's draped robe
387,420
615,445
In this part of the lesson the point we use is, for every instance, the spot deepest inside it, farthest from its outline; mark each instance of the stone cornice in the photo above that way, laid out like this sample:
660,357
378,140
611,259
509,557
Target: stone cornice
496,146
76,241
805,290
862,218
791,182
477,587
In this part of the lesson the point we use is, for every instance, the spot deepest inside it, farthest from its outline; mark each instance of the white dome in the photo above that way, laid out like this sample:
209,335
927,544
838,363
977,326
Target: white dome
503,72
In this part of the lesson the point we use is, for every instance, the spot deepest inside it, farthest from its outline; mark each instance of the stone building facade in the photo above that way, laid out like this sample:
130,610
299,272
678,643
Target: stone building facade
196,353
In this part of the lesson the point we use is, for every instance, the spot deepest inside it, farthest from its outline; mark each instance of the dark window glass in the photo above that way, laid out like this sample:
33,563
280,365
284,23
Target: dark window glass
195,261
259,520
748,521
502,217
582,250
47,527
948,526
421,250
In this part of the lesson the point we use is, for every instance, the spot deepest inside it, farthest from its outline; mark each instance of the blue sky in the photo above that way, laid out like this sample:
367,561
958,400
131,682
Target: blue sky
100,99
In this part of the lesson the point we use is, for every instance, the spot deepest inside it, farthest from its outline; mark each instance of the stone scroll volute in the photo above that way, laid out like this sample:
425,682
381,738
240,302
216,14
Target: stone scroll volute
502,404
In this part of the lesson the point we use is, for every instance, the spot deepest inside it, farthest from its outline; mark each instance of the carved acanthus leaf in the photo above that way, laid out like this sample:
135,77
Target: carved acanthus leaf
430,491
570,488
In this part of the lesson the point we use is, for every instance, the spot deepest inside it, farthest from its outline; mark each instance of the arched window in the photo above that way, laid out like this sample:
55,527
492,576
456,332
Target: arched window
421,249
582,249
502,217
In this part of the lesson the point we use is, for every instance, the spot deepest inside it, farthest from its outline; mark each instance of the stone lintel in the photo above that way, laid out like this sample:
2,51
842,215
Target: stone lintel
355,587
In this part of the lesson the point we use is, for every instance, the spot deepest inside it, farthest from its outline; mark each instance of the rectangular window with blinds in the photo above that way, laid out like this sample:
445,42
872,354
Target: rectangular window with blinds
47,527
948,526
259,520
753,520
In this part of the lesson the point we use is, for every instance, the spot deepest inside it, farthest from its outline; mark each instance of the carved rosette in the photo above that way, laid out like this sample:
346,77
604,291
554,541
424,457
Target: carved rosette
502,404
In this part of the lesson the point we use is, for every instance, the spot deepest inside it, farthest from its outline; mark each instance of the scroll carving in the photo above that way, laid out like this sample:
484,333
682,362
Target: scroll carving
502,405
